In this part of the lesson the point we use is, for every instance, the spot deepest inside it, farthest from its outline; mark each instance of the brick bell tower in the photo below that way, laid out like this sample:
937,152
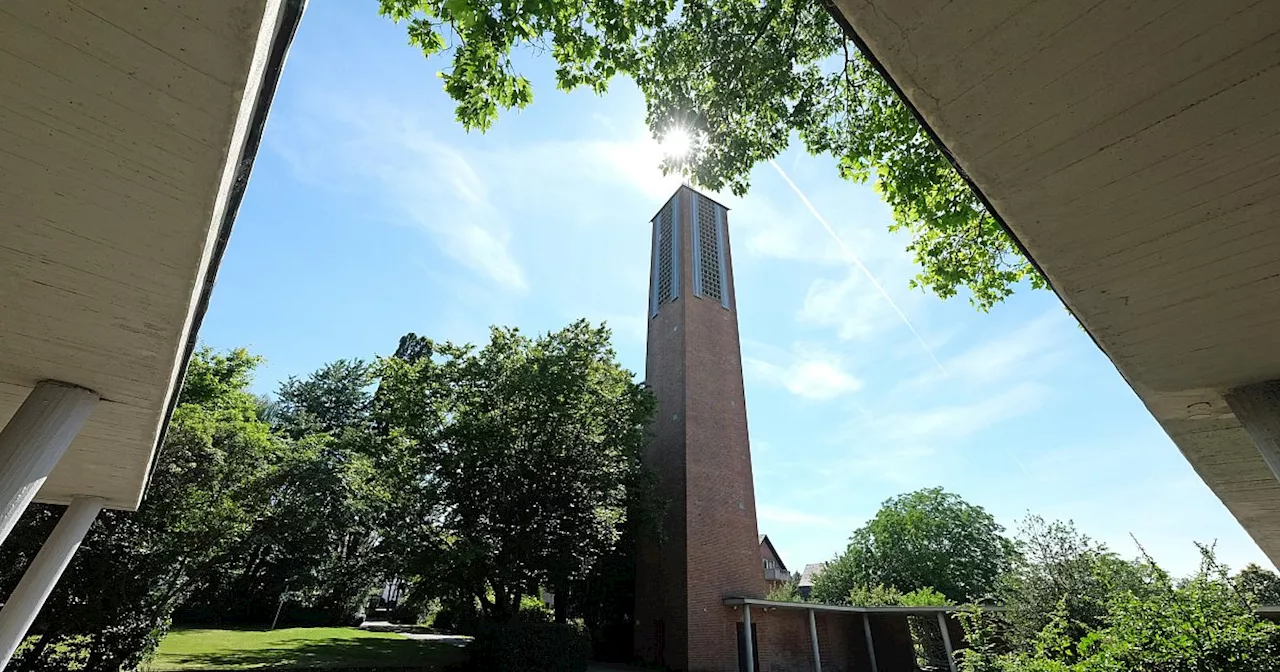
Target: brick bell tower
709,549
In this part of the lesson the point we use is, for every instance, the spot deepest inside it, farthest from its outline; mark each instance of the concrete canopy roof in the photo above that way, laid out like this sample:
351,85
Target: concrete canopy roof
1134,151
820,606
127,130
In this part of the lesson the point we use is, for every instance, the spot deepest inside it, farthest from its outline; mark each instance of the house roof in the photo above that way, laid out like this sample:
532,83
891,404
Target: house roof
764,539
811,572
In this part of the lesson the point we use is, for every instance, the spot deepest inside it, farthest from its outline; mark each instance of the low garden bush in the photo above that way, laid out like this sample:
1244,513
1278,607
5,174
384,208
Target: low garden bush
1160,624
530,647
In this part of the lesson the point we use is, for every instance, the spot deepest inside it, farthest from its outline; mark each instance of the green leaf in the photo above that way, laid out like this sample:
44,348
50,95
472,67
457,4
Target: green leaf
747,76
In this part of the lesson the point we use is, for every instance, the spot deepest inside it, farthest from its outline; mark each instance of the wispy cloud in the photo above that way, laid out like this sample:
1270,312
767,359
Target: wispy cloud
856,261
766,230
418,179
627,326
903,435
781,515
905,465
810,374
950,423
1027,352
850,306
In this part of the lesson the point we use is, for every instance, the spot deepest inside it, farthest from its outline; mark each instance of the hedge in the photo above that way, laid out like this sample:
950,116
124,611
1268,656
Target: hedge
530,647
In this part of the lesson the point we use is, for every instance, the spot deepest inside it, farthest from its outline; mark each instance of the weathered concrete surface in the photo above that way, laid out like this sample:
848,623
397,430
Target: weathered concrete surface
1134,150
122,126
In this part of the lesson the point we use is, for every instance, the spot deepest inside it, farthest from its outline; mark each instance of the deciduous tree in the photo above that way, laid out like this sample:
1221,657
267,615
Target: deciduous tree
133,569
744,78
1261,586
320,508
1060,573
519,455
924,539
334,398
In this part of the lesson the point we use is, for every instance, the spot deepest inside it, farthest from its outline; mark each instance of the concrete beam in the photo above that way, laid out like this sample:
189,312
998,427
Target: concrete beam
1075,124
1257,407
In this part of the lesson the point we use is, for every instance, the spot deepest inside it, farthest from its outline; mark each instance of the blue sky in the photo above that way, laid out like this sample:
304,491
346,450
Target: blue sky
371,213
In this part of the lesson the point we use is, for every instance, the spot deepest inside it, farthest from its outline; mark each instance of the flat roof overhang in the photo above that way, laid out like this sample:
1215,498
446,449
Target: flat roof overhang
1133,150
127,132
1265,610
841,608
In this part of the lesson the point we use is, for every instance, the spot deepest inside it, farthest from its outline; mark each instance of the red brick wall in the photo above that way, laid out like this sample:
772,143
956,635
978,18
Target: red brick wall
709,548
842,643
785,642
783,639
701,452
661,563
895,651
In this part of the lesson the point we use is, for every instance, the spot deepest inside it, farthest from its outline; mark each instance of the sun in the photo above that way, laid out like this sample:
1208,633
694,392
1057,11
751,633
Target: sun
676,143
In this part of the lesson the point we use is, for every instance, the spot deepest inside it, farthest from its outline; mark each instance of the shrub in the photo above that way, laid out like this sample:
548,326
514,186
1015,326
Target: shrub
785,592
459,615
925,633
408,612
1201,623
534,610
530,647
1058,568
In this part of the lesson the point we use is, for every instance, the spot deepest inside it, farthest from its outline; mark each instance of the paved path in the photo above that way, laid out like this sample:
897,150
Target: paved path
456,640
415,632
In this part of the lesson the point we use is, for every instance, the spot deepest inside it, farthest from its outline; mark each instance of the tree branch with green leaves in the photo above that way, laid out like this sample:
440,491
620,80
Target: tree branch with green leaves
745,79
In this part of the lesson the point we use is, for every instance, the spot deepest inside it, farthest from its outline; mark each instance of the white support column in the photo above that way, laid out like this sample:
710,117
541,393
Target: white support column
1257,407
746,636
946,641
871,644
813,639
33,442
24,604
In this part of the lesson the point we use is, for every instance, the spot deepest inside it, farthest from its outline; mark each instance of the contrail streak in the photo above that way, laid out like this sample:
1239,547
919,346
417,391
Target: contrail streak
857,262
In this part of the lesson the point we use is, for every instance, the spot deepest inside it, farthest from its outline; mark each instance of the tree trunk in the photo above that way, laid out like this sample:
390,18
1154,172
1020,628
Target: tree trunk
502,604
95,662
244,582
561,598
31,660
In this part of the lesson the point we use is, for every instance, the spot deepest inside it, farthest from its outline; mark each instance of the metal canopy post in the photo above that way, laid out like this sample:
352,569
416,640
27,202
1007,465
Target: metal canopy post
746,637
871,644
813,637
946,641
42,575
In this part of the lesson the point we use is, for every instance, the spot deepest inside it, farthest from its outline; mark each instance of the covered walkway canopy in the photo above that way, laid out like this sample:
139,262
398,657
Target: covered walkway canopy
127,132
1133,150
890,651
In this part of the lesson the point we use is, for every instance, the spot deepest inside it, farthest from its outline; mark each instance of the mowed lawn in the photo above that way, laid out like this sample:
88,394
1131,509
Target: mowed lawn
299,648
